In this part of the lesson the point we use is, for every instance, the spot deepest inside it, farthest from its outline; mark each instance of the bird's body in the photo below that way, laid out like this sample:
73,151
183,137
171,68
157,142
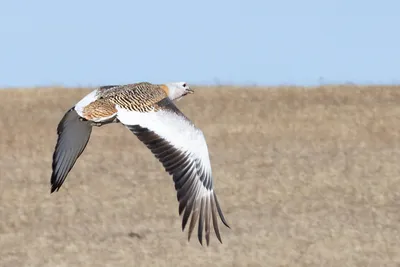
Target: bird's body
100,104
148,111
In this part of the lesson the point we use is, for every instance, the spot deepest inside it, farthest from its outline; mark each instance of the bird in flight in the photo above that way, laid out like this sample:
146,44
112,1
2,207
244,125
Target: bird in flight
149,112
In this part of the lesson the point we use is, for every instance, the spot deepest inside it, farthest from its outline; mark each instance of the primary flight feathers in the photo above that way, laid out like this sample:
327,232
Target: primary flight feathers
148,111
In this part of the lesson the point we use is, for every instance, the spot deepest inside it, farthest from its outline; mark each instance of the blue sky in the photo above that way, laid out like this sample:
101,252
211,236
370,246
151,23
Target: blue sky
86,43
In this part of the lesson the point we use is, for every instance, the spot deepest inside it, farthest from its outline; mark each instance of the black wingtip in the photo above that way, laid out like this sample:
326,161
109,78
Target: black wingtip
219,210
226,224
54,188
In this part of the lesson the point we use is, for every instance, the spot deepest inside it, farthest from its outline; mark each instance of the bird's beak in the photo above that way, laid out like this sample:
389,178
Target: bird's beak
190,91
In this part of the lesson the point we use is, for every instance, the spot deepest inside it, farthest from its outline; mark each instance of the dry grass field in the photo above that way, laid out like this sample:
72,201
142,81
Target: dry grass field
305,177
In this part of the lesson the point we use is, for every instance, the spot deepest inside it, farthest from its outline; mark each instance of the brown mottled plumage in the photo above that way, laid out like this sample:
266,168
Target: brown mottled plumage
142,97
100,108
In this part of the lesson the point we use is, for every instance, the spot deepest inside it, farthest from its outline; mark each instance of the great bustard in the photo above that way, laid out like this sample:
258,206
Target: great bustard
148,111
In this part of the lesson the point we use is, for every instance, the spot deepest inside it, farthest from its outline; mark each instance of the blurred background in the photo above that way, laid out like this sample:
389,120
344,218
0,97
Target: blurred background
299,102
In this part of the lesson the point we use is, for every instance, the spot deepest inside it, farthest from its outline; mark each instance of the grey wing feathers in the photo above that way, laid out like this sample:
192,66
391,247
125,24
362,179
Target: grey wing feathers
73,136
184,170
193,184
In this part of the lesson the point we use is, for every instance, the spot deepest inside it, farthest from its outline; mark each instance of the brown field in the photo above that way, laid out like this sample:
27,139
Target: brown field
305,177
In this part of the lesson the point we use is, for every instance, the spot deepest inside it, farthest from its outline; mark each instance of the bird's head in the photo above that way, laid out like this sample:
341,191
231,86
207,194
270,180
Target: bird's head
177,90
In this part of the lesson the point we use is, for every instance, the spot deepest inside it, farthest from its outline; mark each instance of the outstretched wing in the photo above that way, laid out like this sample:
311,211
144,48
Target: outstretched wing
182,149
73,136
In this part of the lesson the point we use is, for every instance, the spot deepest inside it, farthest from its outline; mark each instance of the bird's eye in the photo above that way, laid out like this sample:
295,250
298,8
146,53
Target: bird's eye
184,85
